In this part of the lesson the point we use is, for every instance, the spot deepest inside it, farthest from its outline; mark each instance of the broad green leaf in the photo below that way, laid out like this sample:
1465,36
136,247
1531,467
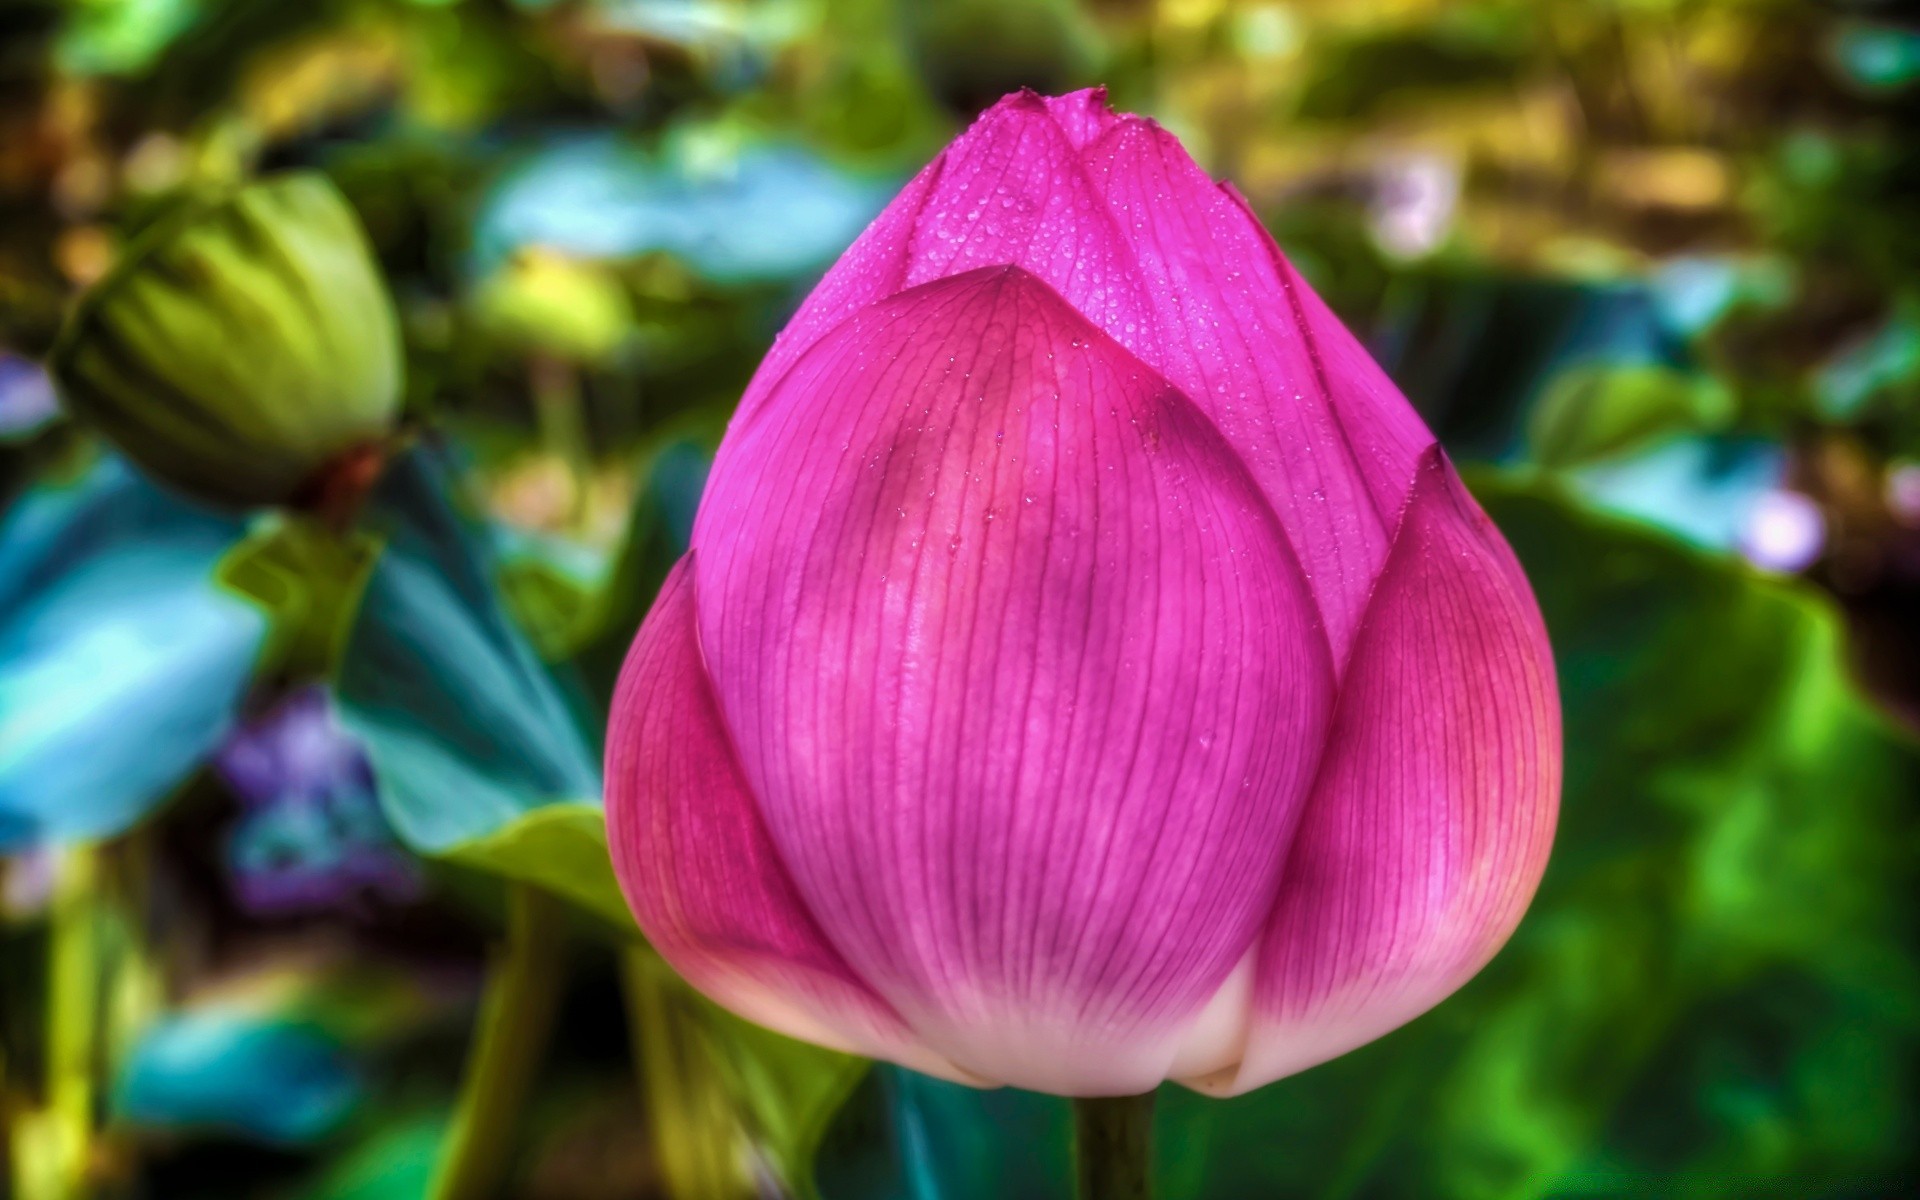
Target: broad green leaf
1713,994
790,1090
466,729
1598,410
560,847
309,580
395,1162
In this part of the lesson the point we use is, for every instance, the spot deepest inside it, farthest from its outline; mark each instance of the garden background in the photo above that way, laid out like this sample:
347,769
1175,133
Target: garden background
269,801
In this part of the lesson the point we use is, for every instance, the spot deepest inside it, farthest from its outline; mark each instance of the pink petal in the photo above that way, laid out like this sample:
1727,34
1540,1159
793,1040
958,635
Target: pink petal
1021,671
698,870
874,267
1009,191
1328,437
1083,115
1429,826
1112,213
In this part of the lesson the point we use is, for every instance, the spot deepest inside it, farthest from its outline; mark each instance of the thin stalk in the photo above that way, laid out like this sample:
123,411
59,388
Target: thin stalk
52,1147
696,1133
562,421
516,1015
1113,1146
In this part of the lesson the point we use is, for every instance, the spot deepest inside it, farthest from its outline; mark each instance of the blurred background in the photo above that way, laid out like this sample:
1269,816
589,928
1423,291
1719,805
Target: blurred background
303,890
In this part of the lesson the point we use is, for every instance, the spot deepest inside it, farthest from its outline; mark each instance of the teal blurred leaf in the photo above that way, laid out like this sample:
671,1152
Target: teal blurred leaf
1714,994
1693,293
1703,490
1884,363
1475,350
1879,58
231,1071
466,728
906,1135
121,661
757,213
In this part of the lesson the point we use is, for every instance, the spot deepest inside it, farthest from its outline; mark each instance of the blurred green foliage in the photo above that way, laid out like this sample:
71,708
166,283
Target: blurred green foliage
1654,259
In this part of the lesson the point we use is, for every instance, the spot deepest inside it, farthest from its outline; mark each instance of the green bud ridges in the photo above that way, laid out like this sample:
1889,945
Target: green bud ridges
241,346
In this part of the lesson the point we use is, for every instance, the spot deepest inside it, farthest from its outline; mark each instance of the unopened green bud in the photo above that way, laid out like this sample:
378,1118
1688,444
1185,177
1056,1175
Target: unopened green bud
242,347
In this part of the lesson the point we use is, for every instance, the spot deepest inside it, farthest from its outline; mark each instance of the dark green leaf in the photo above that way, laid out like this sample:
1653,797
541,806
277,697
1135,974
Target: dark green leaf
466,729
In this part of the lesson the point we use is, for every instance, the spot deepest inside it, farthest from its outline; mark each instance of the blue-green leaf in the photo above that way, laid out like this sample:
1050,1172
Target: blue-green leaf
121,662
466,728
231,1071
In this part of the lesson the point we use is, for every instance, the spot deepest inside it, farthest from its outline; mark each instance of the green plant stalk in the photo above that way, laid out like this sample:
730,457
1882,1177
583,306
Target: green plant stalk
1113,1147
132,980
516,1016
697,1135
563,426
52,1147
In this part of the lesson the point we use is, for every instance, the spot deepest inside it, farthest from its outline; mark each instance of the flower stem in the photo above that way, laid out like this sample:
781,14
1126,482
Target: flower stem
52,1147
1113,1143
697,1136
523,989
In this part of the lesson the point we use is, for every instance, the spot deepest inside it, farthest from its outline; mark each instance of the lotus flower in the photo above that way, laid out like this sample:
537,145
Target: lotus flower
1087,670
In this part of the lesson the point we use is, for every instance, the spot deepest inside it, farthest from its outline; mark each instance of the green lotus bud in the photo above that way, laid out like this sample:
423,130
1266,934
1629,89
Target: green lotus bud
242,348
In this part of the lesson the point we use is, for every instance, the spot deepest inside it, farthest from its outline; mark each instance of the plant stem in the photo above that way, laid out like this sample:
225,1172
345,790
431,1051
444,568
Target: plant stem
563,426
1113,1143
697,1135
523,989
52,1147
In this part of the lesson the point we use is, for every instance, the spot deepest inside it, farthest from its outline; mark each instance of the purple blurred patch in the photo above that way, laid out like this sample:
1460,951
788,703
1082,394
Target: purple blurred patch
312,837
27,399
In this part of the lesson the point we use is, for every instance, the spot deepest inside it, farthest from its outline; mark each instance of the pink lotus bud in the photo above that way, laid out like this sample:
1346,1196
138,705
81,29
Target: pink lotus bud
1087,670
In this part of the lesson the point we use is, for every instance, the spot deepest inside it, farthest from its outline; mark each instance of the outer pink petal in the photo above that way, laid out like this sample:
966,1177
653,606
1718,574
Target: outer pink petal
874,267
1112,213
694,860
1428,829
1022,673
1011,191
1329,438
